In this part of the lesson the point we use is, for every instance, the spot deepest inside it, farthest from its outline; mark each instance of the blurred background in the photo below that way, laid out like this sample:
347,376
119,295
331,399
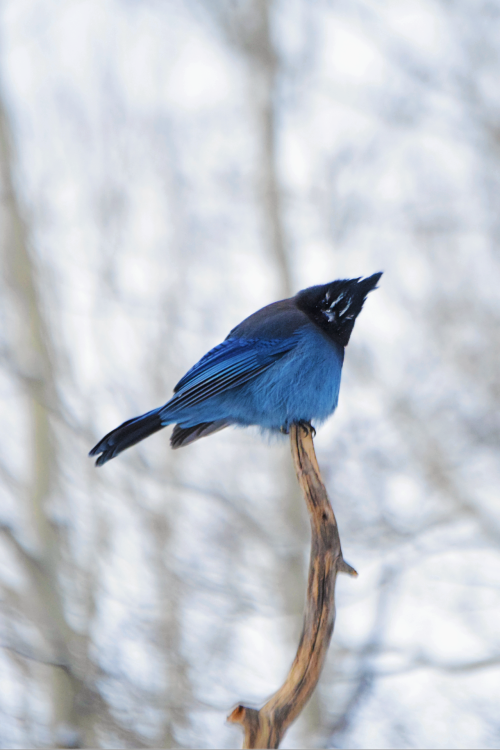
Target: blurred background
167,168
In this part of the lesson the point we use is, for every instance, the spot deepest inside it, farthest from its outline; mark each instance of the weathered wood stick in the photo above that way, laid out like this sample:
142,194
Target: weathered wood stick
265,728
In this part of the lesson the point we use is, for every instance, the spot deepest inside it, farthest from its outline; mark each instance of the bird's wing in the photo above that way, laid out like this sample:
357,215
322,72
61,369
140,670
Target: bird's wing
228,365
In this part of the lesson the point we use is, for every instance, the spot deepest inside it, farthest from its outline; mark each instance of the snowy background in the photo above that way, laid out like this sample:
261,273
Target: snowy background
167,168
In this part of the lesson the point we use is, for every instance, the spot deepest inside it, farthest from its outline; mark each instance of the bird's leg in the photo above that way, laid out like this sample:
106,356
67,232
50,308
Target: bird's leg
284,430
308,426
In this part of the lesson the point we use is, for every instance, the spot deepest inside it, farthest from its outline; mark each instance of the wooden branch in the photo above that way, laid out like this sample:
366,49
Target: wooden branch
265,728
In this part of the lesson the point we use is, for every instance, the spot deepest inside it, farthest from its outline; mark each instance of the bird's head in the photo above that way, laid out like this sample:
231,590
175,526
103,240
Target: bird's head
334,307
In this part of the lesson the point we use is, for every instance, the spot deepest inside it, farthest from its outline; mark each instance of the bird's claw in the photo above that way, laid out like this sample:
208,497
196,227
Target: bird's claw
307,426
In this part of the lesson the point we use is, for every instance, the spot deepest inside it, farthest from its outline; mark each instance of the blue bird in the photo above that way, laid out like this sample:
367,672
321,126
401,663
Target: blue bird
280,366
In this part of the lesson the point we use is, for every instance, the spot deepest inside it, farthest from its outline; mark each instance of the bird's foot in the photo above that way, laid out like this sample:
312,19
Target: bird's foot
307,426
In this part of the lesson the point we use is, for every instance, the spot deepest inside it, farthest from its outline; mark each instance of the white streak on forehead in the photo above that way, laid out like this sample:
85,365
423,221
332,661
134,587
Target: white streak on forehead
345,308
336,300
338,307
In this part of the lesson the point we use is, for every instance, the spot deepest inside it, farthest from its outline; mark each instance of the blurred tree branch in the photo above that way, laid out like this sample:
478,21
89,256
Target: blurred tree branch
248,28
33,356
266,727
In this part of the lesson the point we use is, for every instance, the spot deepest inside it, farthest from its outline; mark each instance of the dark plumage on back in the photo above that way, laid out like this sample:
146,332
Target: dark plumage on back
277,320
282,365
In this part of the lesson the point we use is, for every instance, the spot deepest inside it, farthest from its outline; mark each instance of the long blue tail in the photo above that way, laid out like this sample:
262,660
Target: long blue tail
127,434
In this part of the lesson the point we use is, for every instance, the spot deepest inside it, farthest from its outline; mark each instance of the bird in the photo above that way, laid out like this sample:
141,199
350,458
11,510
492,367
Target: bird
280,366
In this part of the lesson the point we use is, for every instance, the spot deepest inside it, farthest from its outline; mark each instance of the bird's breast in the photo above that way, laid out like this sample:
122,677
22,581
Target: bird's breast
303,385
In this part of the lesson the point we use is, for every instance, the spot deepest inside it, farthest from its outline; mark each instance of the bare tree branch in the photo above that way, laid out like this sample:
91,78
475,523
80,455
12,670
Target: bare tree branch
266,727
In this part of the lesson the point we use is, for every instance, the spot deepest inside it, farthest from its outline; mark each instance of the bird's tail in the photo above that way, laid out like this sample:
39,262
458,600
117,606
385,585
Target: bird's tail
127,434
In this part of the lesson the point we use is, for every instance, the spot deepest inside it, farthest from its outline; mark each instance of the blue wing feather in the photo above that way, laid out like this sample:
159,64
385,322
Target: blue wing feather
228,365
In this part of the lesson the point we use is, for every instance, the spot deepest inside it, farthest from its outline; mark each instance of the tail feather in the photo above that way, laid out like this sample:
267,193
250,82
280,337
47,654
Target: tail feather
182,436
127,434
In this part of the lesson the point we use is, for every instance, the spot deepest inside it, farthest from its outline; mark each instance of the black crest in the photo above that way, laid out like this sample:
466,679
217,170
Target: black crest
334,307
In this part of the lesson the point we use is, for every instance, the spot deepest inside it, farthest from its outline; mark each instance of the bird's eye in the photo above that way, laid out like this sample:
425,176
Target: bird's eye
330,315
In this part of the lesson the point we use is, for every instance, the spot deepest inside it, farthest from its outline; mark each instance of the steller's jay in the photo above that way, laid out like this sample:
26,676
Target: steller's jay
280,366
